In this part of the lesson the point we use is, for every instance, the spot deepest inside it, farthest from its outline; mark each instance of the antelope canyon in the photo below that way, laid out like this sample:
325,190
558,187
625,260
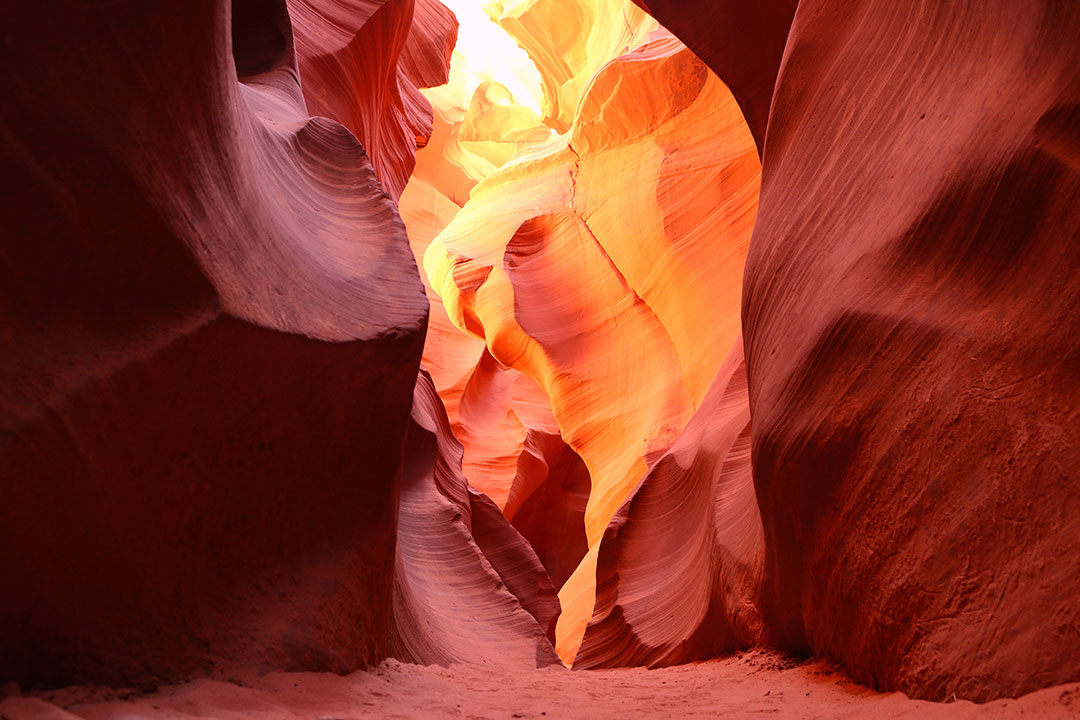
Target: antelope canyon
540,358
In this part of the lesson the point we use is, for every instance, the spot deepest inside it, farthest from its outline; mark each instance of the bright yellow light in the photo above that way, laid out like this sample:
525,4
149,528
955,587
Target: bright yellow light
485,52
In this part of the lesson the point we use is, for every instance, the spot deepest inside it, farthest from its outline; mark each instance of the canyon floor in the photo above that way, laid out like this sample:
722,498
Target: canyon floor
753,684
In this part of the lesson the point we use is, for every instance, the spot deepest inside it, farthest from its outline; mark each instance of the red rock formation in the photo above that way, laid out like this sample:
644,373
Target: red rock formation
912,320
210,328
362,62
468,588
211,324
680,566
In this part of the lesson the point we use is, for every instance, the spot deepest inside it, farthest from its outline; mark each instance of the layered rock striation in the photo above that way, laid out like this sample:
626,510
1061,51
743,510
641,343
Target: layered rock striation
467,587
680,566
363,63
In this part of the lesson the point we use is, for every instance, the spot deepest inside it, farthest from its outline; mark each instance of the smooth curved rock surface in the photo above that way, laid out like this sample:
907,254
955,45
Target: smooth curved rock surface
211,328
491,407
605,264
679,570
911,320
467,586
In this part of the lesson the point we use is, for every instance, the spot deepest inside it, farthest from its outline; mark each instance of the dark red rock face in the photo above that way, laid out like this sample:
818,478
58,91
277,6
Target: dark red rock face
547,503
913,344
211,325
740,41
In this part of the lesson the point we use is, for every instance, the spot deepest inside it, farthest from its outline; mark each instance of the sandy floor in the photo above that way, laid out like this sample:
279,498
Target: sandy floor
750,685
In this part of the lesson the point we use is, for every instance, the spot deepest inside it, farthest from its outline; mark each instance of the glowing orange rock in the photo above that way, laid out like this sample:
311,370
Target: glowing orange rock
742,42
606,263
490,405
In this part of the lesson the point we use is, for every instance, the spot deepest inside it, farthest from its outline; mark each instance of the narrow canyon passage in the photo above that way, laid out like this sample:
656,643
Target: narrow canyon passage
540,358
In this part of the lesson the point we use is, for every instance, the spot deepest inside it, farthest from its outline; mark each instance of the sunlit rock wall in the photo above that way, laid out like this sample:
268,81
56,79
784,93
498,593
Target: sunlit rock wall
603,264
742,42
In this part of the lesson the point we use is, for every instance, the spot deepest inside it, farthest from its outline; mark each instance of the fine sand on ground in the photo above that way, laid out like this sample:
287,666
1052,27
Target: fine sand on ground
753,684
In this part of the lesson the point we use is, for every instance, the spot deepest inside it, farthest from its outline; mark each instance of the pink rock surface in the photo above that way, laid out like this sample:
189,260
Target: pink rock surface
211,324
468,588
362,62
751,685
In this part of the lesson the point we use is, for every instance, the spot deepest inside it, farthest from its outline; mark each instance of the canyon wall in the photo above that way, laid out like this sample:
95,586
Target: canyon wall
363,63
913,344
212,323
239,431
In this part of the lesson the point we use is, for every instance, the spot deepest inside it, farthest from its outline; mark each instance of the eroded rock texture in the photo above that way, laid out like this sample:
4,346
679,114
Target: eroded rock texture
212,323
467,588
679,570
913,344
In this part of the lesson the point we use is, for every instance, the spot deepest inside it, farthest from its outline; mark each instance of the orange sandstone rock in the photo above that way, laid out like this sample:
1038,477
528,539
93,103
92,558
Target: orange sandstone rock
742,42
605,264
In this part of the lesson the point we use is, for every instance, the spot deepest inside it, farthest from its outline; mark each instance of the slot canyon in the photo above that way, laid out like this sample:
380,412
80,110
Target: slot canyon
540,358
